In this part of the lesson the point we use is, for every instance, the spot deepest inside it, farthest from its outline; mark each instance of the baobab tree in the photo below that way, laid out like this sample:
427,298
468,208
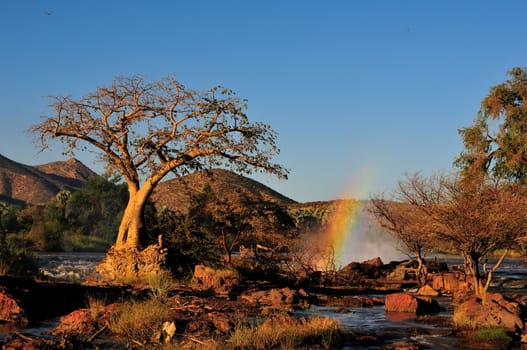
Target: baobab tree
145,130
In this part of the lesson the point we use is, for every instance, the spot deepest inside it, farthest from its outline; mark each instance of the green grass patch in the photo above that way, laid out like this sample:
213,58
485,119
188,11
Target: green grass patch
490,334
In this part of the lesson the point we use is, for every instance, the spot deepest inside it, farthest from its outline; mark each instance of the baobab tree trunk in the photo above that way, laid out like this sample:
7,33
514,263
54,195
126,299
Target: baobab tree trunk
131,226
126,260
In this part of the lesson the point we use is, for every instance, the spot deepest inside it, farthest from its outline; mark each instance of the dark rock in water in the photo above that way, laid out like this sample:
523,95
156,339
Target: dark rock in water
46,300
354,301
490,311
402,302
372,268
514,284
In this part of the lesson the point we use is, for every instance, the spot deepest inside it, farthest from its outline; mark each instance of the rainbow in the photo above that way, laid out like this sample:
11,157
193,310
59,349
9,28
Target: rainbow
343,223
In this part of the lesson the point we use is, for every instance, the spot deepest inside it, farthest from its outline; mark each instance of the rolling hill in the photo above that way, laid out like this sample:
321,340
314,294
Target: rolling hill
25,184
236,189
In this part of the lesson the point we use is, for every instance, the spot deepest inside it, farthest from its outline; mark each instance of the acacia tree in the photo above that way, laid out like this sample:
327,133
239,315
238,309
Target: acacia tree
476,216
406,222
496,143
145,130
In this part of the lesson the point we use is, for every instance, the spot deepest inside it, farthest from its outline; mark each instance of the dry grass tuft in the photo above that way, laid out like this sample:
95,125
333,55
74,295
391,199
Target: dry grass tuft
286,332
139,320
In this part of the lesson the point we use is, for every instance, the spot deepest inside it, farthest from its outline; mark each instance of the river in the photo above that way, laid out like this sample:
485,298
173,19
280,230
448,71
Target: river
512,276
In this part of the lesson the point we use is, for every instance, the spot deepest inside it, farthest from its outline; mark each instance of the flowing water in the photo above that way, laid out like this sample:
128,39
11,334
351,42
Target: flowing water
374,321
70,267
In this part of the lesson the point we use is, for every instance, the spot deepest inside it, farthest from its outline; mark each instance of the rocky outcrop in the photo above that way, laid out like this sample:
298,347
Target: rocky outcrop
450,282
220,282
426,290
35,301
127,265
489,311
355,271
282,299
77,322
402,302
10,310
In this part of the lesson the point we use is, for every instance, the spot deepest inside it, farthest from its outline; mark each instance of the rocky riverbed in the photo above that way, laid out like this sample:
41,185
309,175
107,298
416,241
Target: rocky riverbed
80,314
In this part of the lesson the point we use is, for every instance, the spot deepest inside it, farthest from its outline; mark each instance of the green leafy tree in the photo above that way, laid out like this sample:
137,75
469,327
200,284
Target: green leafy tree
191,238
147,129
96,208
496,143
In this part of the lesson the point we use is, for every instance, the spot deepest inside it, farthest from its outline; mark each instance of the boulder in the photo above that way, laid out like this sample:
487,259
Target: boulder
489,311
10,310
220,282
131,264
77,322
402,271
450,282
426,290
402,302
222,323
285,299
354,271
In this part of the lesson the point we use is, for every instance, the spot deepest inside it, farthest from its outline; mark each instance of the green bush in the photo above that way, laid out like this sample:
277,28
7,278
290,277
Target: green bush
16,259
489,334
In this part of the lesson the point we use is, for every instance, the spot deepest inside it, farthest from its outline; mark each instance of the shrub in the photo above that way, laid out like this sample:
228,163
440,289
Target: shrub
139,320
160,285
16,260
96,306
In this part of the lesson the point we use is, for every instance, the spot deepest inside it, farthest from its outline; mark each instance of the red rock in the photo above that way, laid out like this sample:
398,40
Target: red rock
490,311
428,291
78,321
222,282
401,302
450,282
10,310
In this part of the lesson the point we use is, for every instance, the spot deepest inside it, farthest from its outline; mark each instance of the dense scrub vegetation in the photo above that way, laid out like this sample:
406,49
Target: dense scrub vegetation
210,232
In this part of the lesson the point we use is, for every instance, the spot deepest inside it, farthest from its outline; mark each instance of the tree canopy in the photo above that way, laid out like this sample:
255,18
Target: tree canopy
146,129
496,142
473,216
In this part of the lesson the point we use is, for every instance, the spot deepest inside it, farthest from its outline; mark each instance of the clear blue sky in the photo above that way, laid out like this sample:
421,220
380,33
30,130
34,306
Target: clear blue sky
360,92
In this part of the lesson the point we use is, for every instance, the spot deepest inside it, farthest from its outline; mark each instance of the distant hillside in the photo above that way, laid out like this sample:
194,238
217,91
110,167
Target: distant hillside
238,190
20,183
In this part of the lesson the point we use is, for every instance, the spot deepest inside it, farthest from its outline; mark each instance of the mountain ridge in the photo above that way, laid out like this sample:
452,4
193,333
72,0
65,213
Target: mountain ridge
239,190
26,184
